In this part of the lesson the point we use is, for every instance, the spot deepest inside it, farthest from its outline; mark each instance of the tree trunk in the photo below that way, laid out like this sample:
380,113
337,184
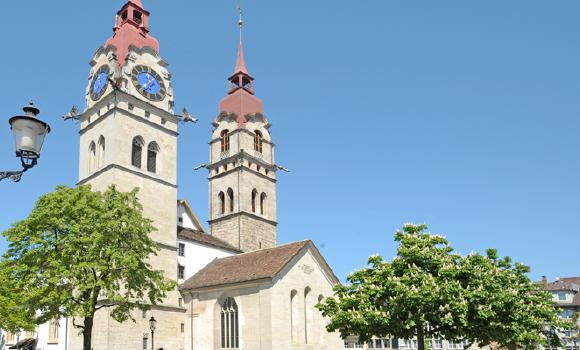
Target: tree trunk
88,333
420,338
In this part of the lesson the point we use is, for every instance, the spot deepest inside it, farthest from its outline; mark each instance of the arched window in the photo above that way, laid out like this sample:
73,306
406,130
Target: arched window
308,313
152,151
254,199
230,335
225,140
137,151
101,152
258,141
294,316
92,157
231,199
262,203
222,199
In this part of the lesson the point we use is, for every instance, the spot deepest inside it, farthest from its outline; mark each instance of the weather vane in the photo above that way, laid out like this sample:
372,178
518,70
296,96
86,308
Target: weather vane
240,22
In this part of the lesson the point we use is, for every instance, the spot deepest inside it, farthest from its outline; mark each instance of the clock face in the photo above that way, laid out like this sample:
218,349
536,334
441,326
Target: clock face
100,81
149,83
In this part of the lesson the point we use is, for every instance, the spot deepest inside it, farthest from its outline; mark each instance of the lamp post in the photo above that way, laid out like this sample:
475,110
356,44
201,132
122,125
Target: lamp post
18,339
152,326
29,133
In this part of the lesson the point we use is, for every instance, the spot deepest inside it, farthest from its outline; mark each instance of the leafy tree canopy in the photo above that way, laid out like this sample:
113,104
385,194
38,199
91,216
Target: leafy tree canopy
430,291
77,252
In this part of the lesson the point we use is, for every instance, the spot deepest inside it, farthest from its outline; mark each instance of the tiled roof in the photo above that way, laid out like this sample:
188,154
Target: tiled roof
204,238
252,266
566,284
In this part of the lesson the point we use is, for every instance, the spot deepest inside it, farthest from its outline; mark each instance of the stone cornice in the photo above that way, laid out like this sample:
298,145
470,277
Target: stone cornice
242,213
239,168
124,168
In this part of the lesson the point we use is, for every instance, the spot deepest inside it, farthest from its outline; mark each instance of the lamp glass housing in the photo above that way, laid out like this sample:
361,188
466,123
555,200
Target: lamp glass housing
152,323
29,134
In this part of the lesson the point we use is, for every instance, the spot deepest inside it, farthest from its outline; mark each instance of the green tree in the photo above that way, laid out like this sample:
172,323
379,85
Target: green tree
430,291
78,252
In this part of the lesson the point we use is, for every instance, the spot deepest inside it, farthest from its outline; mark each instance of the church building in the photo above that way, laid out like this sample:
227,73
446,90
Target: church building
237,287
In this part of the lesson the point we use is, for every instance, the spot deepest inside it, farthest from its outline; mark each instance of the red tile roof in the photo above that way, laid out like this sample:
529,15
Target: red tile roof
204,238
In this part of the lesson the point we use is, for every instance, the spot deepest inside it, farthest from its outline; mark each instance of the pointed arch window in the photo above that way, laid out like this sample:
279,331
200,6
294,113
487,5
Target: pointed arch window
137,151
230,335
308,313
294,316
152,151
263,203
231,200
254,199
222,200
225,140
101,152
258,138
92,157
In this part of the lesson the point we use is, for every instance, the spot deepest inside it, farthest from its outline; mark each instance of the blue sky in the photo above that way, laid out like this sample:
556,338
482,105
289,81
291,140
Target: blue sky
459,114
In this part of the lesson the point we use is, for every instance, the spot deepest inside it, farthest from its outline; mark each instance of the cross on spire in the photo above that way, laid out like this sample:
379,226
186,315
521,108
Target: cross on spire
240,64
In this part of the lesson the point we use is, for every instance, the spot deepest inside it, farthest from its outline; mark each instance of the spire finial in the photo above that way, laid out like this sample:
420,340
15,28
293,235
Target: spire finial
240,64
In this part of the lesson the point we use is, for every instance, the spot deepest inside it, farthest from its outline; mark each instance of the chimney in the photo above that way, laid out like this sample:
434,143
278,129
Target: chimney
545,281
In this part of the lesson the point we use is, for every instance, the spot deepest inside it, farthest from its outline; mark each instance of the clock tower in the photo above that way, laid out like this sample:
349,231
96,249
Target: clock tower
242,171
128,138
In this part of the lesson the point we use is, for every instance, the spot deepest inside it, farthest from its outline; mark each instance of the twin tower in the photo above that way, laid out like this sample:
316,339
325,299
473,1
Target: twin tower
129,135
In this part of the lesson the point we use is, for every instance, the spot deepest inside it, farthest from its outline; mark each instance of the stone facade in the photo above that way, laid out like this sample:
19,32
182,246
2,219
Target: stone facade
266,309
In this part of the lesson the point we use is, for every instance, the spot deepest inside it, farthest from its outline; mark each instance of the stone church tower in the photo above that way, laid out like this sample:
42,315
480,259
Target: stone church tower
128,137
242,172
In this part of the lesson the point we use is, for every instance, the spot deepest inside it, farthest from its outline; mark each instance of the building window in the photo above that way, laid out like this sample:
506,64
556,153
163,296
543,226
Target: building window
262,203
455,345
152,151
92,157
230,337
258,141
561,296
254,198
294,316
183,328
222,199
308,315
144,314
180,220
437,344
180,272
225,140
181,249
231,199
137,17
180,302
101,153
137,151
145,345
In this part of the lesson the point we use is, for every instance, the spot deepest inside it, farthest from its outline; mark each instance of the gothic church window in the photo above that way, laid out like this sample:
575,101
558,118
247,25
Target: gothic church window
180,271
294,316
225,140
231,199
152,151
254,199
258,141
222,199
92,157
137,151
230,337
101,153
308,315
262,203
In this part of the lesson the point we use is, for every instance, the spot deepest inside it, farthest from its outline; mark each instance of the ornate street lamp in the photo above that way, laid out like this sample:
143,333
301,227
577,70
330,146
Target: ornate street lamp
29,133
152,326
18,332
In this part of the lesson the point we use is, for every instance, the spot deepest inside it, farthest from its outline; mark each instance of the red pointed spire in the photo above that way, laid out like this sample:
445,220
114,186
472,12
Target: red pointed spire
131,28
241,99
240,64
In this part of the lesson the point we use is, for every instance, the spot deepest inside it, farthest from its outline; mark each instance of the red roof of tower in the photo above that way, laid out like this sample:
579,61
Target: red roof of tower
131,28
241,99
